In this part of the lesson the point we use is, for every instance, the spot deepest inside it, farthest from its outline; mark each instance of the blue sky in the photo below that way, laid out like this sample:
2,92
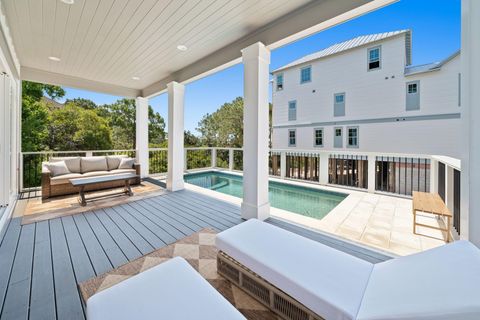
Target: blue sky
435,26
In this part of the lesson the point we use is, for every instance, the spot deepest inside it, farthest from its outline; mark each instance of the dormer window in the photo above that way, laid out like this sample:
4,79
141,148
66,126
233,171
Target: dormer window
279,81
374,57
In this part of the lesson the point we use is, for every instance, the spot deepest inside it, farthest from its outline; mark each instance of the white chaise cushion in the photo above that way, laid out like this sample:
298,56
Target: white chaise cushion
327,281
438,284
171,290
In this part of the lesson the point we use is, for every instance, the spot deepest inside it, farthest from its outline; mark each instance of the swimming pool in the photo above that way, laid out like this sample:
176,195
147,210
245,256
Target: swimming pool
302,200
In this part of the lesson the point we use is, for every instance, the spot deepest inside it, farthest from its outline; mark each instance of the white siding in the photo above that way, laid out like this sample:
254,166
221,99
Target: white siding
371,95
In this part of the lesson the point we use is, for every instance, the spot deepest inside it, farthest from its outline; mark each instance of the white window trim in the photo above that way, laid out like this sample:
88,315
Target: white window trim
303,68
288,115
289,144
315,137
276,82
379,58
358,137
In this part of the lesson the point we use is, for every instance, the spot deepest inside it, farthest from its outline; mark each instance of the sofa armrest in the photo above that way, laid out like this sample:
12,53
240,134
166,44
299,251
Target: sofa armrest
136,166
45,182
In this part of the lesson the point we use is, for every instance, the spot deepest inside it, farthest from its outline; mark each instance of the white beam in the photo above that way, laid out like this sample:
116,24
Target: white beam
256,60
372,159
141,135
303,22
42,76
176,93
470,70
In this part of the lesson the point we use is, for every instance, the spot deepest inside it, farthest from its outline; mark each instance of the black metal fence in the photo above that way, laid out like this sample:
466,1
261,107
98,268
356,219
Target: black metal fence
238,160
274,163
198,158
456,200
348,170
223,156
158,161
304,166
402,175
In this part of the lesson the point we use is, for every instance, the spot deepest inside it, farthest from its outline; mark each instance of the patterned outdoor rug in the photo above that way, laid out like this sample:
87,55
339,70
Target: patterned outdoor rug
200,251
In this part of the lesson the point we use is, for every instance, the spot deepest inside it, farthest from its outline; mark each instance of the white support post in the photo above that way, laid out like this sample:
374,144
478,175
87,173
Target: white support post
256,60
213,154
323,179
230,159
433,176
141,134
283,164
176,150
470,100
371,172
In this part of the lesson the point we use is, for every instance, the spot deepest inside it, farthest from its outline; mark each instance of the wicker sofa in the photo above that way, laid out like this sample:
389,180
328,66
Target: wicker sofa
82,167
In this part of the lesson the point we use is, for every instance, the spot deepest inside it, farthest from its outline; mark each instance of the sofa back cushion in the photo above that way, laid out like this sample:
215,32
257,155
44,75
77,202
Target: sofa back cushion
126,163
73,163
114,161
90,164
57,168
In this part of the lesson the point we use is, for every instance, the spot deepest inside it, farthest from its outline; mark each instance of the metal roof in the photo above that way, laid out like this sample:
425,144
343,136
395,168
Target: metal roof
350,44
411,70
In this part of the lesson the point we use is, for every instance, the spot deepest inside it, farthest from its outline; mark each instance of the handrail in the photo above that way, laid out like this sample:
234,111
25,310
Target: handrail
79,151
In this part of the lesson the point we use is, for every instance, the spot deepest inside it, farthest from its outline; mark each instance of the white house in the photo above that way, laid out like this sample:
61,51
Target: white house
364,95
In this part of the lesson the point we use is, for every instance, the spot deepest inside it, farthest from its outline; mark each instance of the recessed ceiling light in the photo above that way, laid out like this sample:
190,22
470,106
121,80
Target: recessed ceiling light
68,1
135,78
182,47
56,59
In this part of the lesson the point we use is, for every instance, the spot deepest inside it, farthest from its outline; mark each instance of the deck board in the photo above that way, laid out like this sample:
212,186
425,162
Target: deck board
65,251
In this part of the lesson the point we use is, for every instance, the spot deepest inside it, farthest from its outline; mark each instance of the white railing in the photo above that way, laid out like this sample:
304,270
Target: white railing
384,172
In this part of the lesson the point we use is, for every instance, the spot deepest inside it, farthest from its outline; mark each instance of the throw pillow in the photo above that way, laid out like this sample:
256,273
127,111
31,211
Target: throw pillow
58,168
126,163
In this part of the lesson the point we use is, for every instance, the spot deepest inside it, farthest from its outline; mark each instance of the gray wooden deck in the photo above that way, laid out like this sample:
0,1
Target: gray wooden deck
42,263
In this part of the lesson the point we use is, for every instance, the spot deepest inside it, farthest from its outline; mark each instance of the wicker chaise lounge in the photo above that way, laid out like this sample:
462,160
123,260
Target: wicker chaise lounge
301,279
81,167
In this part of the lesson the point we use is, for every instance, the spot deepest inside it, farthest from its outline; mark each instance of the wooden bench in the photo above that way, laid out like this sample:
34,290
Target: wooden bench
431,203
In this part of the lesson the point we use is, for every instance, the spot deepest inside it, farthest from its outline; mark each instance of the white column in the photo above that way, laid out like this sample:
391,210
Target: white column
371,172
141,134
214,157
323,168
230,159
470,69
283,164
433,176
256,59
175,136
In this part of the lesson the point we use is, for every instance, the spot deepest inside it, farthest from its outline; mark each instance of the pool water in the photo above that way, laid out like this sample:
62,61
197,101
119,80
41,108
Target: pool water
302,200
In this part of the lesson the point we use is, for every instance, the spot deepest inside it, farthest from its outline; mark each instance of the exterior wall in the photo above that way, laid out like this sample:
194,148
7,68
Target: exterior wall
378,94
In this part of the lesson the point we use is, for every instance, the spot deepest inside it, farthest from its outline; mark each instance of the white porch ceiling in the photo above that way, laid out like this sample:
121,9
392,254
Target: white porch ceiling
102,44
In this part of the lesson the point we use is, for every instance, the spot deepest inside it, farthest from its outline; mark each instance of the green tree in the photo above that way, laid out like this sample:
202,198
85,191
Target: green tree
224,127
191,140
122,120
74,128
83,103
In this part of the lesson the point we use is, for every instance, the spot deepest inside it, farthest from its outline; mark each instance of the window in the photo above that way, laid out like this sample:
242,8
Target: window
280,82
353,137
374,56
318,137
306,74
412,100
292,138
292,111
339,104
338,137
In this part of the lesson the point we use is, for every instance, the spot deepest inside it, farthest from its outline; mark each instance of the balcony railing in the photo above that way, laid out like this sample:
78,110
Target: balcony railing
399,174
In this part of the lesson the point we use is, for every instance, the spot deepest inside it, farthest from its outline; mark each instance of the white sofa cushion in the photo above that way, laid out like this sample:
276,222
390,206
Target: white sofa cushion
63,179
442,283
90,164
327,281
73,163
119,171
114,161
58,168
171,290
